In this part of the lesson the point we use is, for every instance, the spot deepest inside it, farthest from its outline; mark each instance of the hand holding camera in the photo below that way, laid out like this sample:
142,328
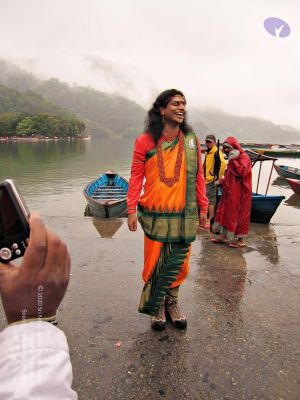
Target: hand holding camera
34,289
14,227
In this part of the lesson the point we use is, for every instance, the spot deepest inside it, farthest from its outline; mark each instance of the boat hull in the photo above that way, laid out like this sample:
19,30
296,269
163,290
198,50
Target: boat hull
294,184
277,153
287,172
263,207
107,196
107,211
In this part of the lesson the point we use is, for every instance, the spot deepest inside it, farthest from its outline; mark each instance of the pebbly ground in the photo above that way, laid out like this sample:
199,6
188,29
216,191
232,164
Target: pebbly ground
242,306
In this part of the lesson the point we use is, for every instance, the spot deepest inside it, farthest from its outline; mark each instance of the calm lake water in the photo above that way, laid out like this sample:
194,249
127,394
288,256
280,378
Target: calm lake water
52,175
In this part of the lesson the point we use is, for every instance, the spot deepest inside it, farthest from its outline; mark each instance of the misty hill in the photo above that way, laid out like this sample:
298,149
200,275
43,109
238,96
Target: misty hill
106,114
245,129
27,102
16,78
112,115
103,114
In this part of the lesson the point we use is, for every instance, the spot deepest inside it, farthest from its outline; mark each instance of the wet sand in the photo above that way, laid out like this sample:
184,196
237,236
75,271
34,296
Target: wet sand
242,305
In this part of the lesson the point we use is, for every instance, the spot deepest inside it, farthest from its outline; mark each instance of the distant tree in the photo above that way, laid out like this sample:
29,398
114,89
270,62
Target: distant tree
9,122
43,124
25,127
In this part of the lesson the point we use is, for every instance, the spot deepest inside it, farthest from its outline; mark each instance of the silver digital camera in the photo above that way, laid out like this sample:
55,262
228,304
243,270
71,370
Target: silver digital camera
14,225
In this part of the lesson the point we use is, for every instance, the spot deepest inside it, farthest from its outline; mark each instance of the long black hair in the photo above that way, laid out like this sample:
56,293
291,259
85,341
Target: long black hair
154,124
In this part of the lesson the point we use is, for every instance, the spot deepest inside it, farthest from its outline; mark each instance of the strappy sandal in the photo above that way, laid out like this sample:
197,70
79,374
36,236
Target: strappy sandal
236,245
220,241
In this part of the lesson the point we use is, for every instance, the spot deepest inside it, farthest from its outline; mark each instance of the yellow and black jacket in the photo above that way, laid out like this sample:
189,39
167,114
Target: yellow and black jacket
210,164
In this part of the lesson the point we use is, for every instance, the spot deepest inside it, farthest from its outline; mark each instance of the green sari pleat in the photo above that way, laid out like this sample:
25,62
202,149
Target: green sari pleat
167,268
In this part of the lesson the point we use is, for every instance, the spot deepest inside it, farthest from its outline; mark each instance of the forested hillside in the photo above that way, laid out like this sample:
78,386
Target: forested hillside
30,114
26,102
103,114
115,116
246,129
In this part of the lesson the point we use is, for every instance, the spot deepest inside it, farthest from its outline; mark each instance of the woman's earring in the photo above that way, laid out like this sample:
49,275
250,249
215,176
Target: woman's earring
163,119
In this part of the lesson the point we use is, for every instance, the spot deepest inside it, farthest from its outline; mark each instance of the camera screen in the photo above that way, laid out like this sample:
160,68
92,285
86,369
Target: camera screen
10,225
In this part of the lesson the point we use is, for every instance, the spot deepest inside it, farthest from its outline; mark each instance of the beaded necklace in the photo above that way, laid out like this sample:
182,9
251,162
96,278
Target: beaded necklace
161,167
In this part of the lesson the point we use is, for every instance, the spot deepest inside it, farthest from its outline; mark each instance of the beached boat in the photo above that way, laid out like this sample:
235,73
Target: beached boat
106,196
256,145
294,184
293,146
263,206
280,152
287,172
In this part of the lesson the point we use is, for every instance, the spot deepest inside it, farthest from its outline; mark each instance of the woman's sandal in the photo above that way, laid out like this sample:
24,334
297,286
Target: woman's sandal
220,241
236,245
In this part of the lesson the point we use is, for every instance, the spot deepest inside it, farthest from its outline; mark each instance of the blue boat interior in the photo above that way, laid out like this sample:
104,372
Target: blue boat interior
290,169
108,187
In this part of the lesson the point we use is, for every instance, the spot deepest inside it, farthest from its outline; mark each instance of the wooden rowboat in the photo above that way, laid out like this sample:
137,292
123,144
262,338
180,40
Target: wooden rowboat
106,196
294,184
287,172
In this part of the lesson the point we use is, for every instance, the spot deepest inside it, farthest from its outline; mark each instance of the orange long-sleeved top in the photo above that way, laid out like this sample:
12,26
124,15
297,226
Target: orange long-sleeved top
143,144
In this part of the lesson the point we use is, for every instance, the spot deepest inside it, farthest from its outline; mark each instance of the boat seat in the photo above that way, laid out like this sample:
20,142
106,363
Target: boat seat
110,190
109,194
107,198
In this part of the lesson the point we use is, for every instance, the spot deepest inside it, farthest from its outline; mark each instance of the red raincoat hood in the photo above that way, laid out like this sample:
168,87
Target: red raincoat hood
234,143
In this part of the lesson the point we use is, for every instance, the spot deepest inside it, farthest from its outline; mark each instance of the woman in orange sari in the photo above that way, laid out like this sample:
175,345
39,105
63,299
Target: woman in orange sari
167,155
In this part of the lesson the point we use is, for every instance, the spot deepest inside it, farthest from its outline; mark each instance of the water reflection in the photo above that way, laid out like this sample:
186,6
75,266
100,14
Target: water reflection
280,182
263,239
107,227
61,160
293,201
222,272
44,151
37,162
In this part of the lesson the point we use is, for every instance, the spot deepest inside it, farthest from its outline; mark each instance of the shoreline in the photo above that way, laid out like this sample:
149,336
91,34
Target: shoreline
42,139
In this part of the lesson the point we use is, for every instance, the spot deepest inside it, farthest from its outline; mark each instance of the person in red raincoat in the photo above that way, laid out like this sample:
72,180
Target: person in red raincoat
232,217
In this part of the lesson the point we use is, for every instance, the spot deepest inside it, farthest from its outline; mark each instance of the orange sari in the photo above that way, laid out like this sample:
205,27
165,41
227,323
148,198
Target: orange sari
168,217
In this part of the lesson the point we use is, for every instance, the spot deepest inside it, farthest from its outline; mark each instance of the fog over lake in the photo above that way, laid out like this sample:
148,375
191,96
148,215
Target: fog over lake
218,53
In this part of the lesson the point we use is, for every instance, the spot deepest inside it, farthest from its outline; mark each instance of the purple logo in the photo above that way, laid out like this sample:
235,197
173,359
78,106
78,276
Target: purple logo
277,27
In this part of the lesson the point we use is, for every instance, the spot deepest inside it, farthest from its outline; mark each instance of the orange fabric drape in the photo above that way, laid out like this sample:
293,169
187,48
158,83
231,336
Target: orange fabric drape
160,197
151,255
157,195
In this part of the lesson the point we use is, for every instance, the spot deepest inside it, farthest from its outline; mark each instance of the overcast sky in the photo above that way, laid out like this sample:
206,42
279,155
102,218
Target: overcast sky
217,52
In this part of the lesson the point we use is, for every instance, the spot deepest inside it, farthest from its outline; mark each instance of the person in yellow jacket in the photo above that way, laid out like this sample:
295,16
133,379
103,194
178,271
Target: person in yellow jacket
214,168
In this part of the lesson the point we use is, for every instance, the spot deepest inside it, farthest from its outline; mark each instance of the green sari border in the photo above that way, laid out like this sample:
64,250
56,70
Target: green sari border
146,212
191,152
168,266
165,146
176,227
